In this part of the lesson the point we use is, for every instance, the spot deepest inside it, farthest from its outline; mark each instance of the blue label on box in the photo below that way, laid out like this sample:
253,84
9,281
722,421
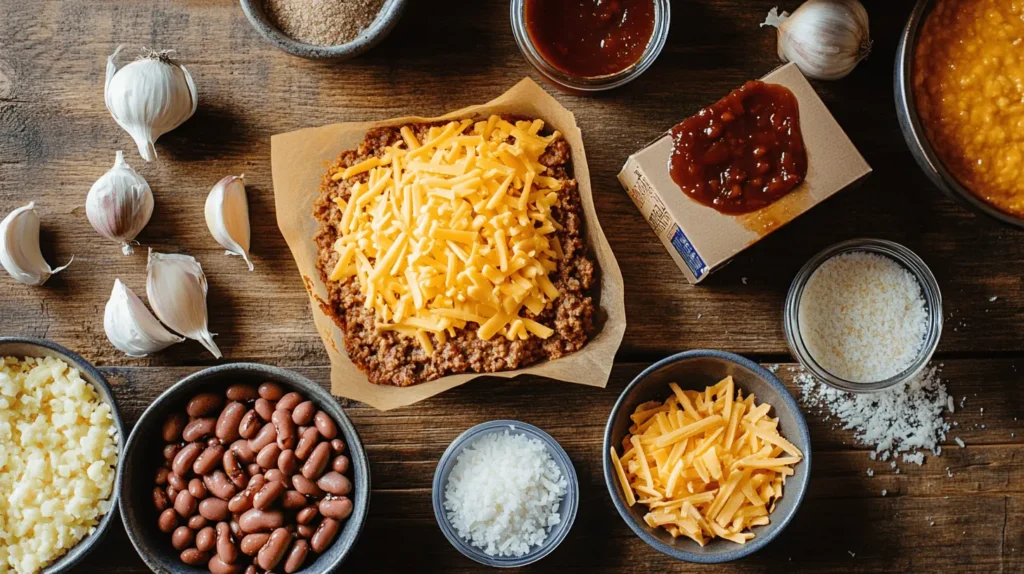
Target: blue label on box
690,256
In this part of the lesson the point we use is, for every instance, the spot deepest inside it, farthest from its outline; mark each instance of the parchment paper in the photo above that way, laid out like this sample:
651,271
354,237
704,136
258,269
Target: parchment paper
300,158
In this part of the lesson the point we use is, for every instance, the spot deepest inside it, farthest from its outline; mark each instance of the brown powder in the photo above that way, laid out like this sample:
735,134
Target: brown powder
322,22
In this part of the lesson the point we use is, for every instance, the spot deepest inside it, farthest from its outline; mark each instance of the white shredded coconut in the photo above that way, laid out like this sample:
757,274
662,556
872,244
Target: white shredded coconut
884,492
960,442
900,421
863,317
503,493
871,472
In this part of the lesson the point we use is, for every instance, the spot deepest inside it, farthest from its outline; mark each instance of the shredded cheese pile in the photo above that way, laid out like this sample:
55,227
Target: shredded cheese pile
454,230
706,464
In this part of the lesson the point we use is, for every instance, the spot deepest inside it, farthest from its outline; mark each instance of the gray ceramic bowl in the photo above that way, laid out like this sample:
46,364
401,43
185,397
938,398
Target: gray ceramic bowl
142,456
28,347
913,131
382,25
695,370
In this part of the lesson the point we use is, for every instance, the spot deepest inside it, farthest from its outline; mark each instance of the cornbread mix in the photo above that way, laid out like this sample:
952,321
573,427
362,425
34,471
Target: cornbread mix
705,218
426,263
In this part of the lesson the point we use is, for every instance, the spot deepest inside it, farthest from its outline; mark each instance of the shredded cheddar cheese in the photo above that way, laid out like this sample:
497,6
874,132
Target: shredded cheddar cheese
454,230
706,464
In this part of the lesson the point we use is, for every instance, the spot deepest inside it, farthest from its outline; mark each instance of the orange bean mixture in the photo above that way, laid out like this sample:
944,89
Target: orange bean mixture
969,87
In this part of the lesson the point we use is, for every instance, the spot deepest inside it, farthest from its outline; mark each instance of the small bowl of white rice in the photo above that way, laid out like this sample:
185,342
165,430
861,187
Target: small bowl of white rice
864,315
505,494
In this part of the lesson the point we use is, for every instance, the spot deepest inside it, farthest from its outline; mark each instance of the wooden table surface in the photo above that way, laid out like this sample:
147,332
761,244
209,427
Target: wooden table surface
56,138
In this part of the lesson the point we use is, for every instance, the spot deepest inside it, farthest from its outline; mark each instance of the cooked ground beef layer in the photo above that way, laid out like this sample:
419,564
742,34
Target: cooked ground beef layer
390,358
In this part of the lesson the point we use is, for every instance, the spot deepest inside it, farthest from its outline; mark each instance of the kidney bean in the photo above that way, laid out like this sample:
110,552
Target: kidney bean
199,428
306,443
175,480
297,556
267,435
276,474
335,483
226,550
289,401
306,486
260,520
250,424
286,435
271,391
227,429
255,483
197,489
167,521
250,569
241,392
293,500
338,445
325,425
324,535
204,404
340,464
218,566
185,504
214,509
161,475
172,493
185,458
317,461
267,457
287,462
208,460
251,543
236,530
220,485
234,470
268,495
339,508
206,538
170,451
212,441
274,550
194,557
264,408
173,426
182,538
160,500
303,413
253,469
243,452
197,522
307,515
240,502
305,530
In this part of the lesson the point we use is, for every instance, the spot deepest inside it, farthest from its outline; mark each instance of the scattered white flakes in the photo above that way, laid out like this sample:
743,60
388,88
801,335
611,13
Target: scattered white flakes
892,464
932,523
982,410
872,454
851,553
744,280
992,299
884,492
949,404
773,368
960,442
962,401
1013,434
949,473
871,472
899,421
982,426
699,315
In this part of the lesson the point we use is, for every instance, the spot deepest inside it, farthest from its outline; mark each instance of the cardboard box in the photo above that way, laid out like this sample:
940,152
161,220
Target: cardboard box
702,240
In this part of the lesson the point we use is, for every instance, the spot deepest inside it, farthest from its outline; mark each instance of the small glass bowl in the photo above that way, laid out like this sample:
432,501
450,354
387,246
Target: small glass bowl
898,253
567,508
662,18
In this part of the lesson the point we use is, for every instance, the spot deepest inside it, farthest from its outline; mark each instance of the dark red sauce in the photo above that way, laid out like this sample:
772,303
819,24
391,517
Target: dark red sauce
743,152
589,38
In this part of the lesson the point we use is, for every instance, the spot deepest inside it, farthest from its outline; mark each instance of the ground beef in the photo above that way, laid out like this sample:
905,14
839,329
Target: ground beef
390,358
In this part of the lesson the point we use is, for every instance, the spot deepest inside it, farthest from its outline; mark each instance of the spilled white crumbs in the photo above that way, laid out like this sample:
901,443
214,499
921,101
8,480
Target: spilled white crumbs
503,493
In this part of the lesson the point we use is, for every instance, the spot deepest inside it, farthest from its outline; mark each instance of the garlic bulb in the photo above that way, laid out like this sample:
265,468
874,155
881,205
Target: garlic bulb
19,247
176,287
826,39
131,327
227,216
120,204
149,97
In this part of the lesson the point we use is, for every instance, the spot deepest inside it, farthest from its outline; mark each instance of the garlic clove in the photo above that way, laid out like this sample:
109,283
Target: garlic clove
826,39
149,97
131,327
176,287
20,254
227,216
120,204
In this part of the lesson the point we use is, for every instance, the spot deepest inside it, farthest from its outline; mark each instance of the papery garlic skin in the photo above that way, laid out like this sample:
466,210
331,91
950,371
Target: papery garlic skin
826,39
176,287
149,97
120,204
227,216
20,254
131,327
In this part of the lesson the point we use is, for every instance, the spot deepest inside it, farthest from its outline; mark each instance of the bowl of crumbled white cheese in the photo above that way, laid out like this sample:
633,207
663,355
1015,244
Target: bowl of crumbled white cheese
505,494
60,440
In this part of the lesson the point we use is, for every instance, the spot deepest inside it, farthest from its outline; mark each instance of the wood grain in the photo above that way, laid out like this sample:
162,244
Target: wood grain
56,138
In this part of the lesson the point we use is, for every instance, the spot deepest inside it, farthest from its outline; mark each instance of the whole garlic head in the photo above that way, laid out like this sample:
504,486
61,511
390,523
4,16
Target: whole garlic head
131,327
120,204
20,254
176,287
149,97
227,216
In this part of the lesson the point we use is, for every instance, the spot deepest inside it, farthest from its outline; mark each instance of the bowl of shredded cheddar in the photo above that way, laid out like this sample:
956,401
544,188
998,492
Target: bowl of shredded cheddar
707,456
